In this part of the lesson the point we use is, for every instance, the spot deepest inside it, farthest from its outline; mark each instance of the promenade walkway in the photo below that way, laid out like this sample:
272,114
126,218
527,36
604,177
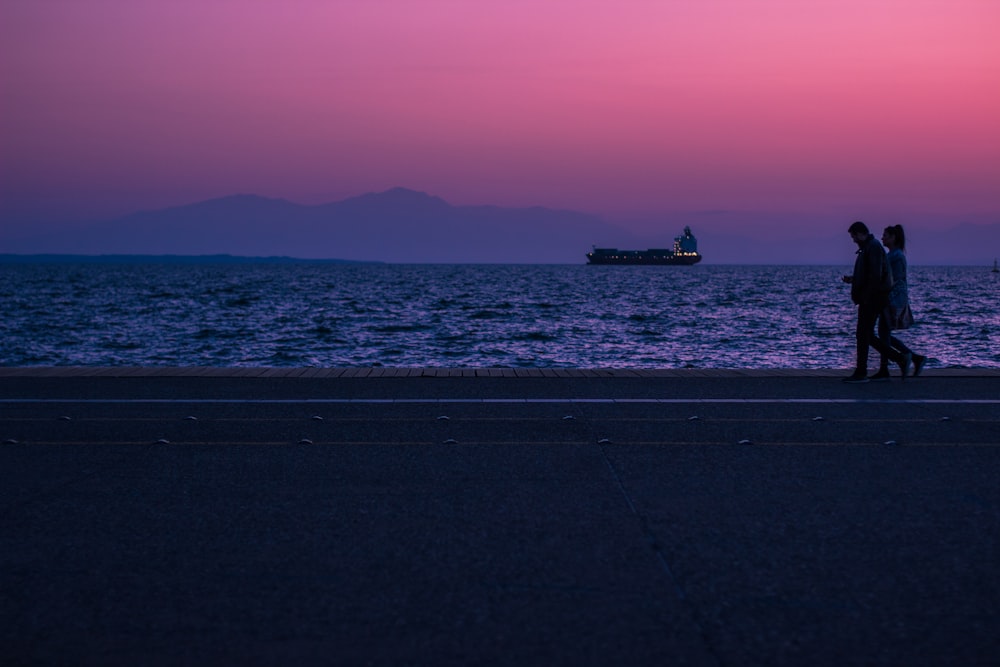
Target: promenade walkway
498,516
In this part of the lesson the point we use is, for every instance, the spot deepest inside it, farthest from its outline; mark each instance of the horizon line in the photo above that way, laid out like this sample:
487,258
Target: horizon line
137,258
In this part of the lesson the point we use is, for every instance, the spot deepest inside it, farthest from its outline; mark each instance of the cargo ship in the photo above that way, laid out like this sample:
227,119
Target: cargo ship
684,252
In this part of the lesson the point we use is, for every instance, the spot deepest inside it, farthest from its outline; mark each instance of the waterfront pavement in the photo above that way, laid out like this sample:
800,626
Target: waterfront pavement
498,516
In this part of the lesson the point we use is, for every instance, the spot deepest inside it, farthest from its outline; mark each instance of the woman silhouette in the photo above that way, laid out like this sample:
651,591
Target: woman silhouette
894,239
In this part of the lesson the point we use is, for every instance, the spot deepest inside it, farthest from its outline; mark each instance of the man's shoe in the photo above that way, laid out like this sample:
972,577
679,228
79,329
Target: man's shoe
881,376
856,378
904,364
918,364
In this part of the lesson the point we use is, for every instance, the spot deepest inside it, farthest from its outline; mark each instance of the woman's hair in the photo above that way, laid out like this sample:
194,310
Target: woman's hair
898,234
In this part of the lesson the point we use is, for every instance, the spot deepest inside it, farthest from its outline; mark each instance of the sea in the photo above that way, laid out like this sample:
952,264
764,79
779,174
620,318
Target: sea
474,316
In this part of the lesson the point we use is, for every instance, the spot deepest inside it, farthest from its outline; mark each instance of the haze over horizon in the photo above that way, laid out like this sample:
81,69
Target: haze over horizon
773,118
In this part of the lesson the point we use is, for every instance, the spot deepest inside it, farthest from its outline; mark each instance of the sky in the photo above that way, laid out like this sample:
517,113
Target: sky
783,115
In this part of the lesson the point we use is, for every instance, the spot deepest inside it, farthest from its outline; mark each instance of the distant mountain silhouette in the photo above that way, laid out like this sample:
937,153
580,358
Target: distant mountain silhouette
398,225
6,258
403,226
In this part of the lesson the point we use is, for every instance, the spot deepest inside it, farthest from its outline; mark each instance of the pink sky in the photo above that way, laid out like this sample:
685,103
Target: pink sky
824,109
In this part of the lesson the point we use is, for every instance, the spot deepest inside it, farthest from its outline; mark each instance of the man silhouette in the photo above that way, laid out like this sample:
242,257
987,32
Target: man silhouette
870,285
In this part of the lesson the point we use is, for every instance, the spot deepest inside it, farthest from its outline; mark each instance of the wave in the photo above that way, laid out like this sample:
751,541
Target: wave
483,316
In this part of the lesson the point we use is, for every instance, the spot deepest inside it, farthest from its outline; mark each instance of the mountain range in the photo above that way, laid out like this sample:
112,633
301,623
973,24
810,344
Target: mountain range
397,226
406,226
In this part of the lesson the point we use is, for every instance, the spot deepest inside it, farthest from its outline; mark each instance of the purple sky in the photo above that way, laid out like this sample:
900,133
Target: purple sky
795,117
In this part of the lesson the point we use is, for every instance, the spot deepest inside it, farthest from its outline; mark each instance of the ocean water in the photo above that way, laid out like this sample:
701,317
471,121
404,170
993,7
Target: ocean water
474,316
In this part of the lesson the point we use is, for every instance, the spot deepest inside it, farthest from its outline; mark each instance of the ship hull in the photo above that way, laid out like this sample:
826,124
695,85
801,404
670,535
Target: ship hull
639,259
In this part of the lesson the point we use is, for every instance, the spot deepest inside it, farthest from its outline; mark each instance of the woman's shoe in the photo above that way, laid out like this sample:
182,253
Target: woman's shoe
904,364
918,364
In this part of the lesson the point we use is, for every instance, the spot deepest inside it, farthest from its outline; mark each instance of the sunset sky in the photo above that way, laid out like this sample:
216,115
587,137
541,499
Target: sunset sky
798,111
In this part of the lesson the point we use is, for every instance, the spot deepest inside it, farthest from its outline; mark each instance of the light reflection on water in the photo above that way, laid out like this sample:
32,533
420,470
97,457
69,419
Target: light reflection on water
474,316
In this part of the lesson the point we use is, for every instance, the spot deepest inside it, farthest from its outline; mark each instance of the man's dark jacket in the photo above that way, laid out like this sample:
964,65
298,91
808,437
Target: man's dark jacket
872,277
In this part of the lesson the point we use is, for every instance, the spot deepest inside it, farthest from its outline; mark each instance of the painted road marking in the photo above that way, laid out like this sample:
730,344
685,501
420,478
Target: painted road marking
489,401
292,443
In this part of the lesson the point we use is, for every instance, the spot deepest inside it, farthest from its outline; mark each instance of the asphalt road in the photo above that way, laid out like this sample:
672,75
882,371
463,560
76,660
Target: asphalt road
774,519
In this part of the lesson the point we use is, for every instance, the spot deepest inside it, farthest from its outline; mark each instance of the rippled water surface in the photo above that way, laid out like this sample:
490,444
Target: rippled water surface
473,316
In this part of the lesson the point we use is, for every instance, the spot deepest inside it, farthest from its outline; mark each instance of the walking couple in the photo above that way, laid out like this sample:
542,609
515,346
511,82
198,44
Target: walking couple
878,287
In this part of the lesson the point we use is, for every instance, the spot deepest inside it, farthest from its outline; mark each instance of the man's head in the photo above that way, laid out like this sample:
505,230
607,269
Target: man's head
859,232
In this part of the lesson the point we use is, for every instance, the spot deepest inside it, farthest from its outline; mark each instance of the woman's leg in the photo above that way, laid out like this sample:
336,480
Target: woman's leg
899,345
882,343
